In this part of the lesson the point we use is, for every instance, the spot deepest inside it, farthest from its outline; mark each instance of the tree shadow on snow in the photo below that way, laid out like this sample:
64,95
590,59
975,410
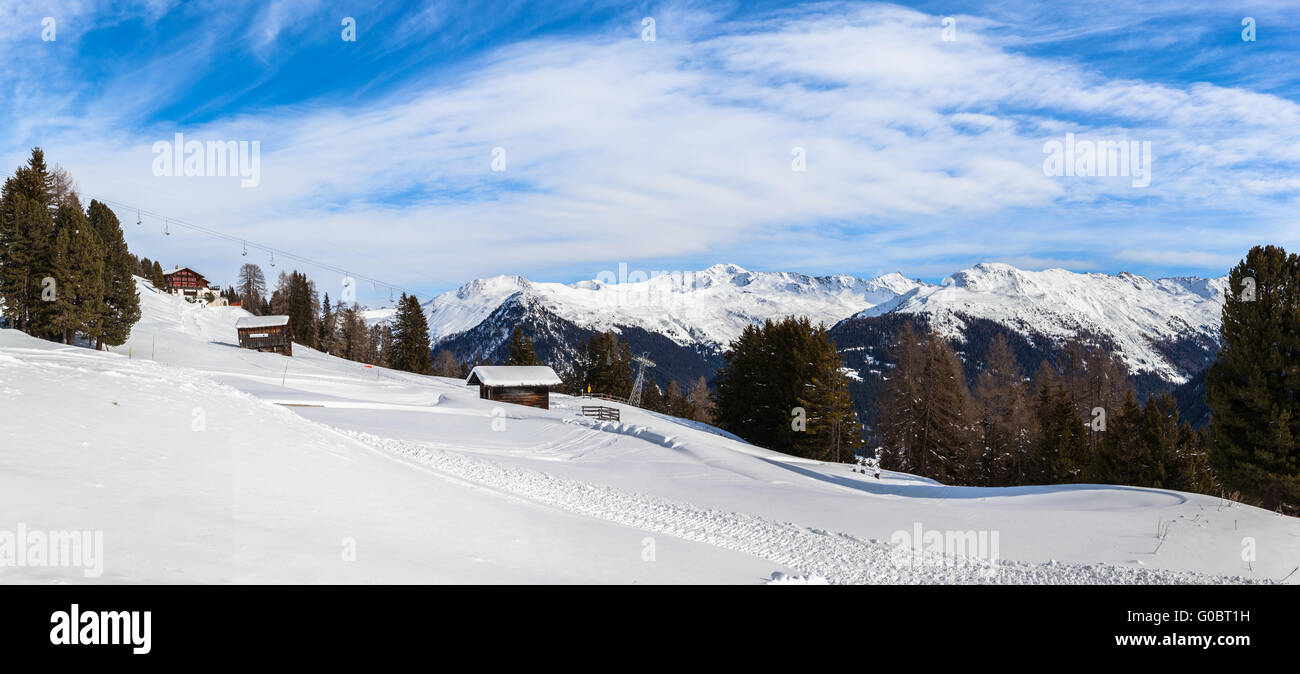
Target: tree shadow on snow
930,489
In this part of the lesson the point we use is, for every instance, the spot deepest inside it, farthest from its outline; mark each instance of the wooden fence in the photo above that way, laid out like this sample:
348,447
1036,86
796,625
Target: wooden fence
601,412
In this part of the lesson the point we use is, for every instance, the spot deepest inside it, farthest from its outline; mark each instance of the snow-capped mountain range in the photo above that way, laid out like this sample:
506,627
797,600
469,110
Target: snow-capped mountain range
708,307
703,311
1135,314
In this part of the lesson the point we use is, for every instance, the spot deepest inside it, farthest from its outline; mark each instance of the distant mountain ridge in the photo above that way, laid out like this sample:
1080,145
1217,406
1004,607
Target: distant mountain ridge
1164,329
1140,318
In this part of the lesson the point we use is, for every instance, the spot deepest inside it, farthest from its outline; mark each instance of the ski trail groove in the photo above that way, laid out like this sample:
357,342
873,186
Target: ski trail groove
840,558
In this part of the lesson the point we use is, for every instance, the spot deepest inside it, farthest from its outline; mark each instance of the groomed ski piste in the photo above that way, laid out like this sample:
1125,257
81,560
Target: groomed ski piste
205,463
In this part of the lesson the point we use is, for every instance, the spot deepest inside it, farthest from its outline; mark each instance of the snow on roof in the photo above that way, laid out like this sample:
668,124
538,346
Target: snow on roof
173,271
513,375
261,321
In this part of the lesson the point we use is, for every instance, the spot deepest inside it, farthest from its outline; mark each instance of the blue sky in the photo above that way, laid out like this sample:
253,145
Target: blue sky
923,155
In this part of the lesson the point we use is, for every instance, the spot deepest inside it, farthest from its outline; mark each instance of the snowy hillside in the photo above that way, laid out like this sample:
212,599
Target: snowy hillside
203,462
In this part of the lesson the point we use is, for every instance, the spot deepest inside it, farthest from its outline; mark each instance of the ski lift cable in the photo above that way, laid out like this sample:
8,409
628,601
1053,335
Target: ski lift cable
246,244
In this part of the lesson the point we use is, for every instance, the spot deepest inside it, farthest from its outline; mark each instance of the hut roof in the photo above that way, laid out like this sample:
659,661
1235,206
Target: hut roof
513,375
261,321
169,272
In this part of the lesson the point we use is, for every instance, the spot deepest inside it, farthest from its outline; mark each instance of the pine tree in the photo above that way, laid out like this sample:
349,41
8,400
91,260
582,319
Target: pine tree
355,339
26,257
1194,471
604,366
78,304
521,349
326,327
121,301
301,304
1161,434
36,182
1062,445
898,429
27,243
832,432
1105,381
251,284
446,365
946,423
1123,456
1253,389
410,349
676,402
741,406
781,387
158,280
652,398
927,419
700,398
384,348
374,335
1005,419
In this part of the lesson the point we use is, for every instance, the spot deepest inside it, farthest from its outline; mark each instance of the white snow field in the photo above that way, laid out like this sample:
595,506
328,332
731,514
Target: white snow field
204,463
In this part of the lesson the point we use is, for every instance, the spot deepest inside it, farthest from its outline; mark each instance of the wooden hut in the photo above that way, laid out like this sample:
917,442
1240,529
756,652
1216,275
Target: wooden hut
517,384
184,281
266,333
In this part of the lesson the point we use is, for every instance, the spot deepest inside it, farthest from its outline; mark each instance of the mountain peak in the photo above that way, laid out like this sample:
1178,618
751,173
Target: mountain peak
726,268
990,276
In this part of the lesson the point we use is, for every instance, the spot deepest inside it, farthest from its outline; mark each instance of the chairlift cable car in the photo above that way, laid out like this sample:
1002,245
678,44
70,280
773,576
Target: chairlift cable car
245,248
166,229
138,219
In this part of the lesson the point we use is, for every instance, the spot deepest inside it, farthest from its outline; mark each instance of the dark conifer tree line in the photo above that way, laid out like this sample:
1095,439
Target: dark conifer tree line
410,350
1079,422
782,387
65,271
1253,388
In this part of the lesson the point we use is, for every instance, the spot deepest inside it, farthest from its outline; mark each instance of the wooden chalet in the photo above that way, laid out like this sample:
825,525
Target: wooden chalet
185,281
266,333
516,384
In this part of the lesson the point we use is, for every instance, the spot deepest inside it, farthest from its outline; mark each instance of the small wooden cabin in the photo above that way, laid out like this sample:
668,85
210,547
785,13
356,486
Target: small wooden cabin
184,281
266,333
516,384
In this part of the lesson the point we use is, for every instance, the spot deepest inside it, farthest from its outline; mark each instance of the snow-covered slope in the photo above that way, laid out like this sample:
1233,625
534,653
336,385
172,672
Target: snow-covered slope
1134,313
203,462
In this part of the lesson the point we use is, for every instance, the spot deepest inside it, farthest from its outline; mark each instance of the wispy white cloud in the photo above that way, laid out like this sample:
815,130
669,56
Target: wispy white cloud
921,154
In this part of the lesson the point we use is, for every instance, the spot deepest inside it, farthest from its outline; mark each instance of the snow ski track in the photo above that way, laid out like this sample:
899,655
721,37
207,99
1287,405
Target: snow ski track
839,558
